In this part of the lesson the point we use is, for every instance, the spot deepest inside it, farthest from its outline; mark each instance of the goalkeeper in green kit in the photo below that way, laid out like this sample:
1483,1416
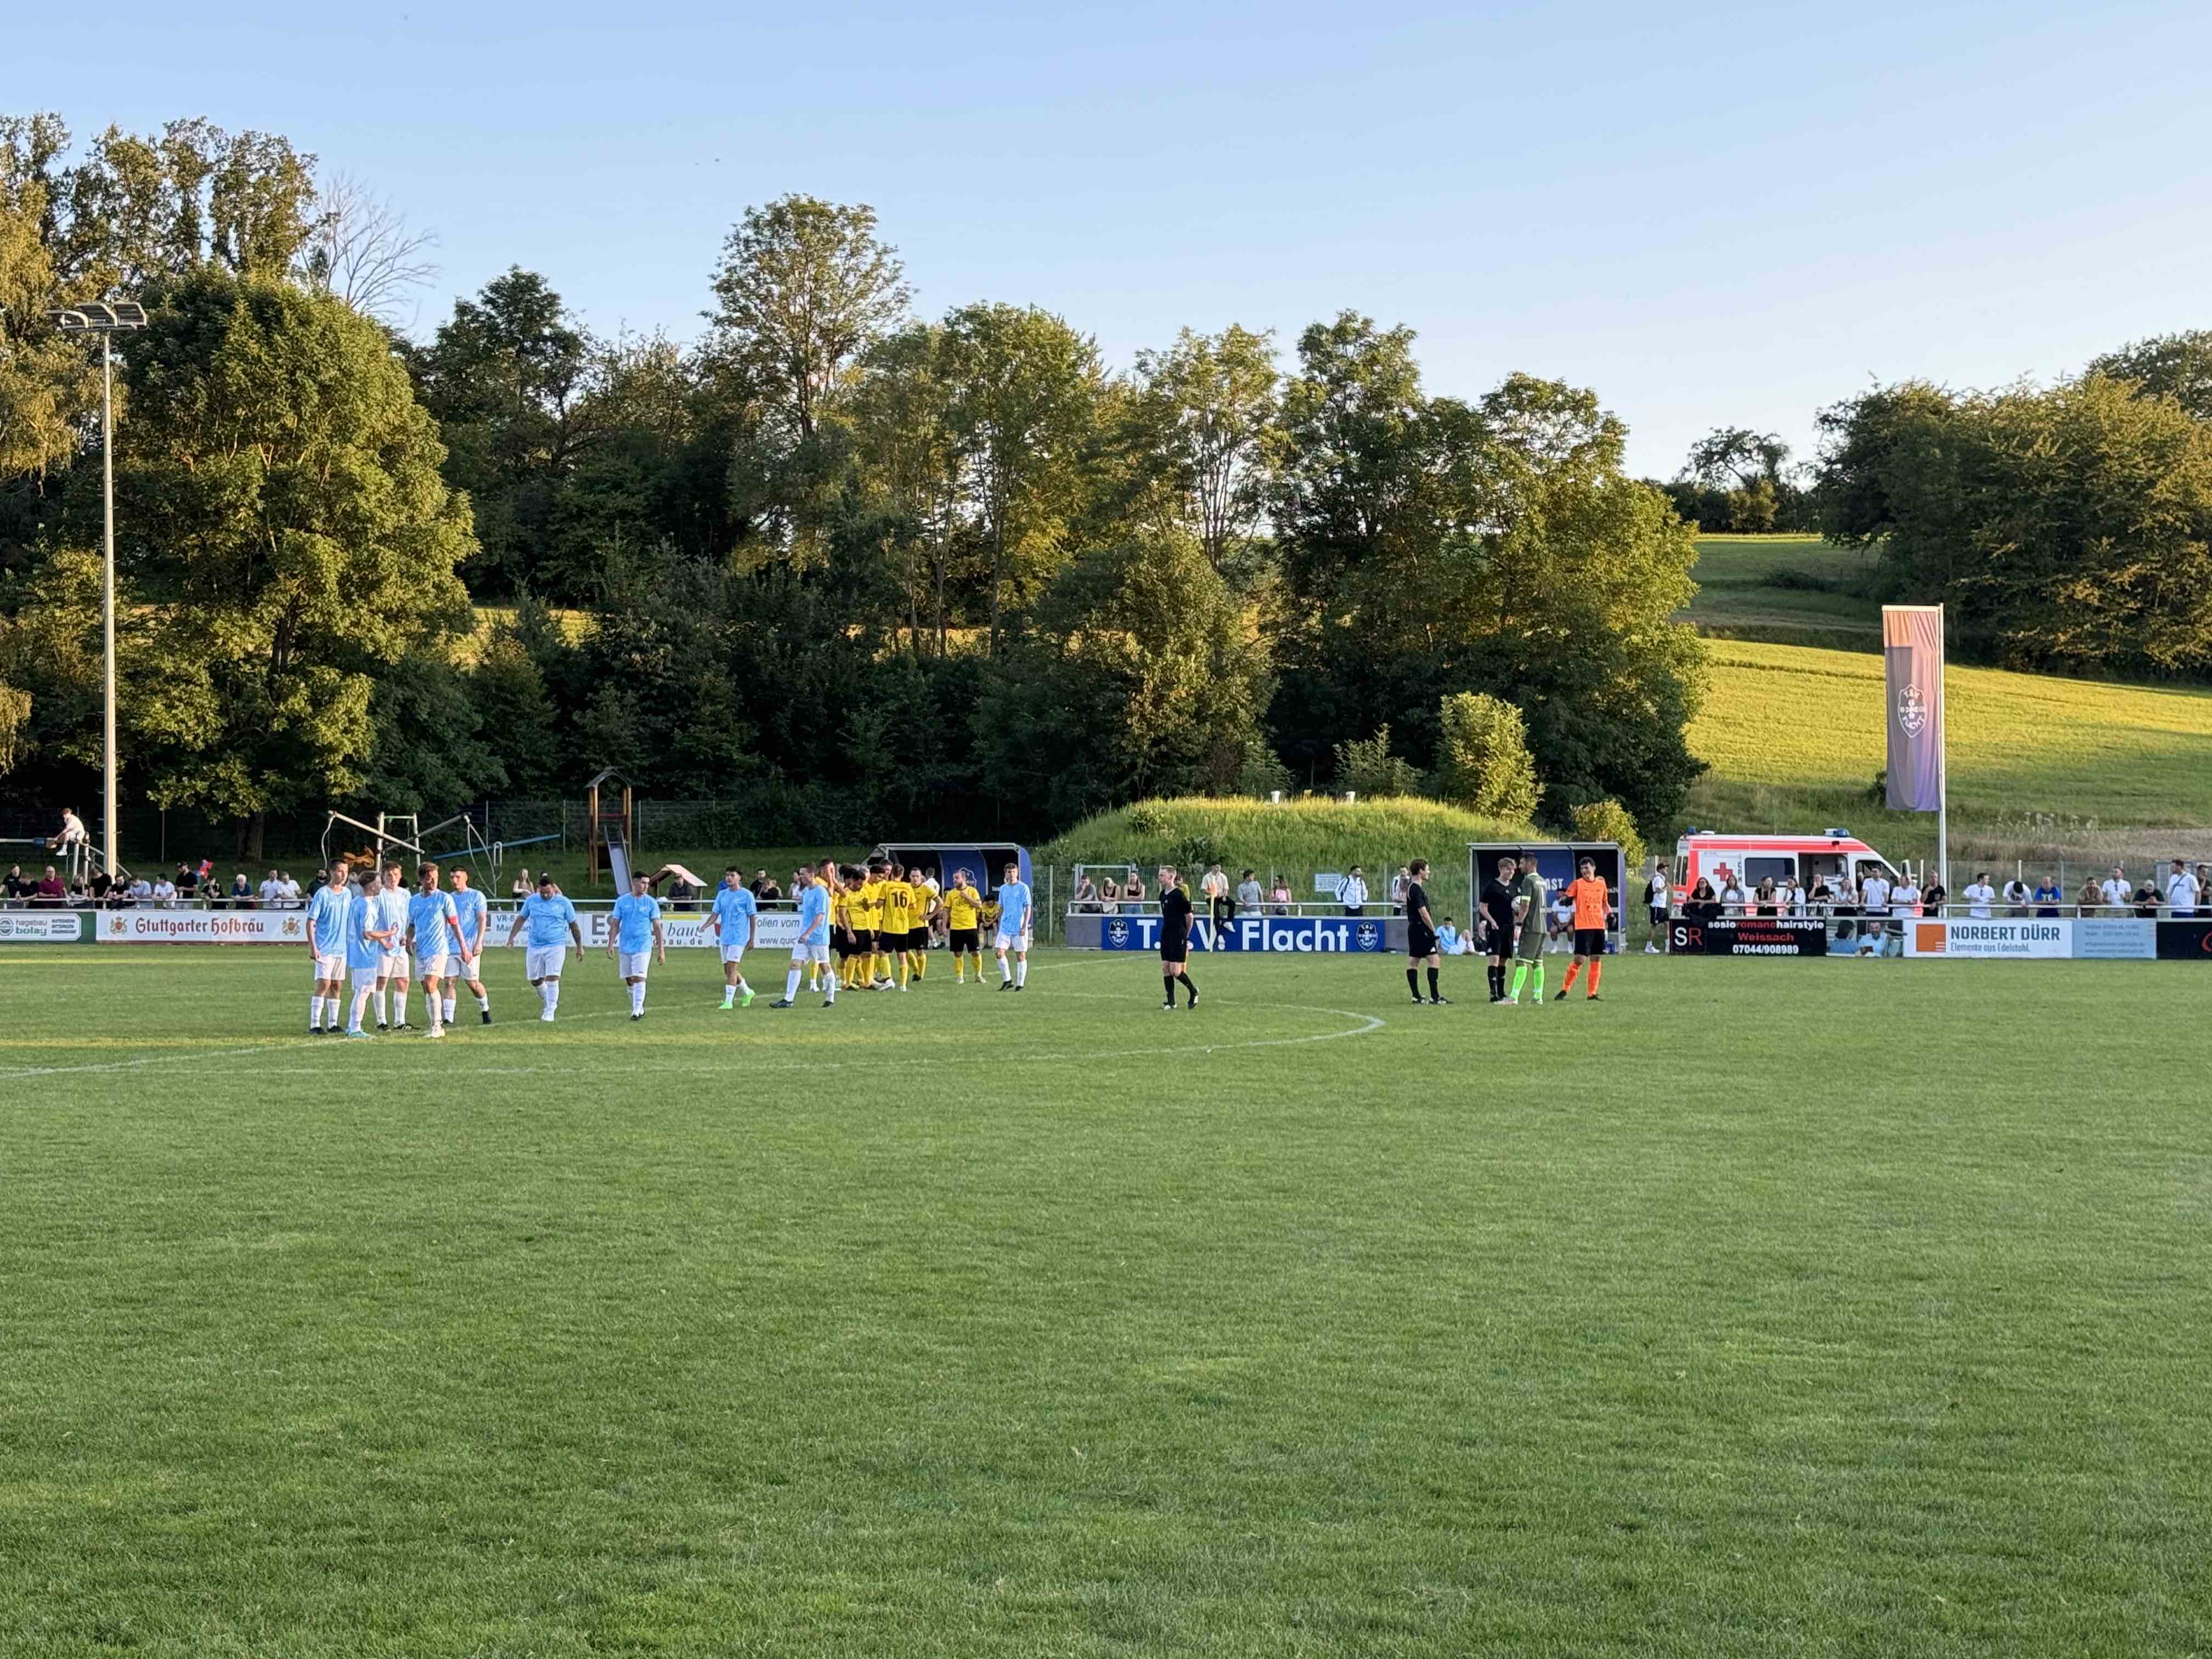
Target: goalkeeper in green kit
1529,902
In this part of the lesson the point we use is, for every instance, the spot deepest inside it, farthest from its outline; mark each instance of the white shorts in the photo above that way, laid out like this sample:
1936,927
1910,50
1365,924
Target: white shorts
332,967
425,967
544,961
810,953
1014,941
733,953
365,977
395,964
633,967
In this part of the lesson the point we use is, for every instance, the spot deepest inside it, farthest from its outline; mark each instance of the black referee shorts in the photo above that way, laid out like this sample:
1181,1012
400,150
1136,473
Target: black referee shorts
1589,941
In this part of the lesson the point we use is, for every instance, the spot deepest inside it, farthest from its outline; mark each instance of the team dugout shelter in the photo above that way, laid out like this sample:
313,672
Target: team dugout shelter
985,863
1557,862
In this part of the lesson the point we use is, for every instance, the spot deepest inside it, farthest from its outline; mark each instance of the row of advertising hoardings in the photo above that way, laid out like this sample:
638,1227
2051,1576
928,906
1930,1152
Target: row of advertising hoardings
151,925
1959,938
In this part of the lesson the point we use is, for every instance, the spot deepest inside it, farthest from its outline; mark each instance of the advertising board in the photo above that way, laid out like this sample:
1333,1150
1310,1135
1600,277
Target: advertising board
1280,934
2114,938
44,927
154,926
2036,938
1749,936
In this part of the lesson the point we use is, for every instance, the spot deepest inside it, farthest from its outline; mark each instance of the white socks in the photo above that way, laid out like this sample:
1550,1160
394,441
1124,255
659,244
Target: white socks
549,995
315,1014
829,984
380,1006
360,1007
1021,971
637,998
791,984
1005,972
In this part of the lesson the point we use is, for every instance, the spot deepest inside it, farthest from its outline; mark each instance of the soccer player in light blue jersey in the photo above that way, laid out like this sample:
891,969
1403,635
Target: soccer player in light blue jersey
1015,909
390,900
327,915
812,945
432,930
736,925
552,923
634,938
364,955
470,906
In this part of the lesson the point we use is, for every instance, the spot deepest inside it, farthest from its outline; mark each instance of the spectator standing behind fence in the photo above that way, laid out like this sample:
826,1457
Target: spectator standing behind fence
1085,899
2115,889
50,889
1400,884
1655,895
2181,889
1248,893
1793,896
2047,896
2016,895
165,893
1732,898
1765,897
2090,898
2148,899
1873,905
1110,897
1978,893
1215,886
1905,902
1133,892
1278,897
1351,893
1703,905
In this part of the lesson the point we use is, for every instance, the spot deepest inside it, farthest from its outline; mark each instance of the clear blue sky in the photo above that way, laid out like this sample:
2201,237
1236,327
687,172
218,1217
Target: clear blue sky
1710,214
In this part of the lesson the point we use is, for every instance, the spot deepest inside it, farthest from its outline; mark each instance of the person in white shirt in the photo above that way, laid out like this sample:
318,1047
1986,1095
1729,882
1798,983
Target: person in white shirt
2181,889
272,889
1873,904
288,889
1351,893
1657,894
1905,898
1792,896
1733,899
165,892
1978,894
141,891
2017,893
2116,889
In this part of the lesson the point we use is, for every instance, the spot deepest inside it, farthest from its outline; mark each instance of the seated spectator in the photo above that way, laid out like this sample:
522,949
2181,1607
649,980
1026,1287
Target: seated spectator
2047,895
1279,897
51,891
1084,898
1559,931
1447,938
1703,904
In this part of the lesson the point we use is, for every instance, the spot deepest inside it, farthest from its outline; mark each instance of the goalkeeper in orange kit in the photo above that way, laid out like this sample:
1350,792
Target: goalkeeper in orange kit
1588,896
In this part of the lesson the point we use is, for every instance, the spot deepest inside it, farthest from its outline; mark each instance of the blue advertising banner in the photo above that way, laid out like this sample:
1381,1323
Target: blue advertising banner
1912,680
1251,933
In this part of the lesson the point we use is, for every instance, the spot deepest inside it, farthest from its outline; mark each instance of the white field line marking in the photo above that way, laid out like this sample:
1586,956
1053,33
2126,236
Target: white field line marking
1368,1025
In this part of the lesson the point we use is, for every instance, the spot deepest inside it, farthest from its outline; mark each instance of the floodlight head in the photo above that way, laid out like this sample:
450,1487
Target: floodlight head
98,317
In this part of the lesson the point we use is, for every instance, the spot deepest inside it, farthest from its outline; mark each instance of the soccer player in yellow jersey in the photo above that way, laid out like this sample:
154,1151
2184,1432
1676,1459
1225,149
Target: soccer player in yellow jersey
872,923
841,922
963,915
898,922
917,938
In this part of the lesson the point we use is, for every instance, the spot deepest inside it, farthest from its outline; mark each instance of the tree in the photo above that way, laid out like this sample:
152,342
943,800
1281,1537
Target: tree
805,287
1025,395
288,540
1609,820
1365,767
47,384
1209,408
1483,762
360,249
901,415
2176,366
1735,457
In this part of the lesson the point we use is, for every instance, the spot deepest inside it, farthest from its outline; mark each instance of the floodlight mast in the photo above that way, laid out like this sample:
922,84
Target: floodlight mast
106,319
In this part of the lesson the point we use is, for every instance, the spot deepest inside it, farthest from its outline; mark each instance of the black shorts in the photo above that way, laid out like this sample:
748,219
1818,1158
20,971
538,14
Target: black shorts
917,938
1176,948
1419,942
1658,916
1500,941
963,938
842,944
1589,941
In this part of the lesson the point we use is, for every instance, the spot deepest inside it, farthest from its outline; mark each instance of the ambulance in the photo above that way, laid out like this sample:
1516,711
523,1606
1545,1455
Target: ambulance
1710,856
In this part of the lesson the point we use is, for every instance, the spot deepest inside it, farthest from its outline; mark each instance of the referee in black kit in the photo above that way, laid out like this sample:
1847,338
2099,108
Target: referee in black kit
1175,938
1421,934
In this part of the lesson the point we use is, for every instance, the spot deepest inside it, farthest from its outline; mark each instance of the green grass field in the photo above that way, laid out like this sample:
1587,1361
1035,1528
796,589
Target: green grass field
1739,598
1761,1309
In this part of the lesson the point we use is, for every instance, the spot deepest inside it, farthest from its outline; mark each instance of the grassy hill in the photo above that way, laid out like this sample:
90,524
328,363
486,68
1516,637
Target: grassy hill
1778,588
1795,735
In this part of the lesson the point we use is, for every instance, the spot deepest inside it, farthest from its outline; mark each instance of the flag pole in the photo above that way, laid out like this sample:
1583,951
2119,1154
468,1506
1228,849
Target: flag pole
1943,771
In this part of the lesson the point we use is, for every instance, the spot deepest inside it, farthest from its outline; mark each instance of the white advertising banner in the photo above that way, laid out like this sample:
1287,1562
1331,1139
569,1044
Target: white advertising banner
33,928
2026,939
158,926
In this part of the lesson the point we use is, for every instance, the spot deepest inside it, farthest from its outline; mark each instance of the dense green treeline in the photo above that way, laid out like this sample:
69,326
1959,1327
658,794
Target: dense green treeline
845,566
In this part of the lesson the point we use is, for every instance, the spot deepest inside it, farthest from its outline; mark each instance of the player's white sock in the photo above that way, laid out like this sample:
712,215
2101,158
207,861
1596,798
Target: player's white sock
451,1004
360,1007
729,995
314,1013
791,985
1021,971
483,1001
1005,972
830,985
381,1005
637,998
